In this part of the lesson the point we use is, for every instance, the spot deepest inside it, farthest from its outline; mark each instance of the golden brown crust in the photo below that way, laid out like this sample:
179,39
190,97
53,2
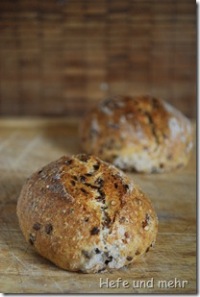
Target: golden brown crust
85,215
139,133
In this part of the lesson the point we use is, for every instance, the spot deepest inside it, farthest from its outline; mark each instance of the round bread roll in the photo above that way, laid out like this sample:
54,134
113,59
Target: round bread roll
86,215
142,134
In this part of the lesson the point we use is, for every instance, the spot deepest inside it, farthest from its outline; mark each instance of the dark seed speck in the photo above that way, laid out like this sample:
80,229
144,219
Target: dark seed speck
146,221
108,260
100,199
99,182
82,178
48,229
94,231
147,249
96,166
102,193
73,183
37,226
116,185
84,191
68,162
97,251
75,177
122,220
88,174
126,187
107,220
83,157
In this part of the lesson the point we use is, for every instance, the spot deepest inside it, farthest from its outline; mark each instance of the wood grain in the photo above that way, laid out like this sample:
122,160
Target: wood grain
59,57
26,145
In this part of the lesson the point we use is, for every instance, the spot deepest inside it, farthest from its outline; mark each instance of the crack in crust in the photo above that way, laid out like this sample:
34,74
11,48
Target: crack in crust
153,127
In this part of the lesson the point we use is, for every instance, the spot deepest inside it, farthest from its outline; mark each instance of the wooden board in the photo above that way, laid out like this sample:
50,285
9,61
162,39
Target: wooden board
28,144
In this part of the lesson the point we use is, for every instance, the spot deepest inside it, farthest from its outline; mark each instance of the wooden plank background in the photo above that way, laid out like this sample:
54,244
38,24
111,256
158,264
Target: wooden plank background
58,57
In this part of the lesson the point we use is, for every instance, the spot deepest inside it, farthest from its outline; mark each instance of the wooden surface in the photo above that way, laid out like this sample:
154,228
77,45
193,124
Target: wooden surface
26,145
58,57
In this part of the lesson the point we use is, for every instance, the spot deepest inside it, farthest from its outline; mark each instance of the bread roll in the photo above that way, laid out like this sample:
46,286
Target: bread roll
86,215
142,133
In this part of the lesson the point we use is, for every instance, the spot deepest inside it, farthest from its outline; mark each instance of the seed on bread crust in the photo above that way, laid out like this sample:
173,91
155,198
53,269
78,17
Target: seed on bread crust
48,229
94,231
37,226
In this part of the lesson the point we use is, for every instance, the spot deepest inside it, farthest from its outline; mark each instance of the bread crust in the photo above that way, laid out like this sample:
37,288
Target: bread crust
140,133
86,215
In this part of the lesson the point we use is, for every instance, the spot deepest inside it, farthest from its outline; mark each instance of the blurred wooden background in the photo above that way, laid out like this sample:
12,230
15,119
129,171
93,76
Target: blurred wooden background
59,57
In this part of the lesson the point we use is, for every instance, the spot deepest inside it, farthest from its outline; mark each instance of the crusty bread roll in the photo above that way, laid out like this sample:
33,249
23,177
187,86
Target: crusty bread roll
138,133
86,215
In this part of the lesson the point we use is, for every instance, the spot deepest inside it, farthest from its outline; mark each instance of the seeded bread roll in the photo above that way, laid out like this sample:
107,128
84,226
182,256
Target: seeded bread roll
86,215
138,133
